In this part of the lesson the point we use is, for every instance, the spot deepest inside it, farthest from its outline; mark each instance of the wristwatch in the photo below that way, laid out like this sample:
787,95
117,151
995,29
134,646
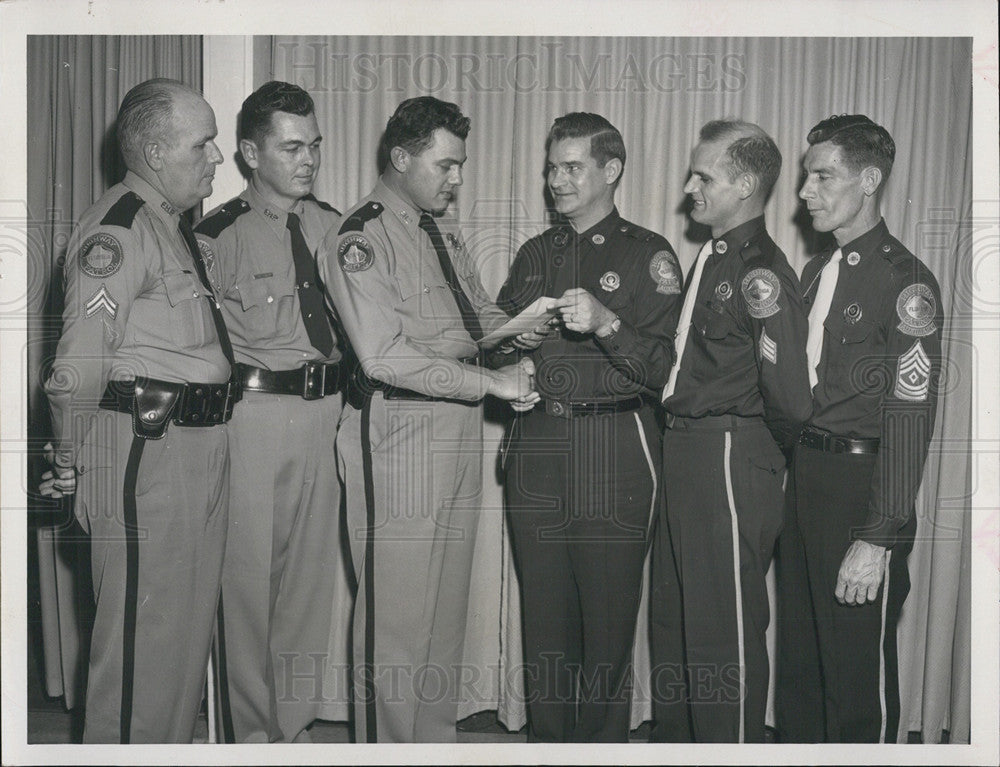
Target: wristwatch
616,325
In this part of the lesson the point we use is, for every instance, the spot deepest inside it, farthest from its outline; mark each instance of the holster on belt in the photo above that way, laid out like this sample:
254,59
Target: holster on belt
154,404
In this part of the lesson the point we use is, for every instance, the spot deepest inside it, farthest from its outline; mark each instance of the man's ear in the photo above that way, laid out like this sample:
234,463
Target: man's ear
871,180
399,158
612,170
249,151
747,183
152,153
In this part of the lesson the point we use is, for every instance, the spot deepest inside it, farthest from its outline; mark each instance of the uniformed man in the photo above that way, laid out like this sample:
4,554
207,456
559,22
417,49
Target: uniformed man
874,356
283,572
140,389
581,478
410,442
738,392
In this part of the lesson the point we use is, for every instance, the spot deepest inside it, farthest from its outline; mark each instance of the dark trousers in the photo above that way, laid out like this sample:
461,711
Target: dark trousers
722,480
837,677
580,495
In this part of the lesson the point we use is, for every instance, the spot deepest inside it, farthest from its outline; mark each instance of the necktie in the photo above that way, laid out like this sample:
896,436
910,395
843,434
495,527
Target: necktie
310,297
821,308
199,265
469,317
684,323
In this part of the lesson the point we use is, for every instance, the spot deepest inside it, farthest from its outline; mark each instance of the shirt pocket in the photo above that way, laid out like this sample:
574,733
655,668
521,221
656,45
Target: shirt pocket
426,298
190,321
856,364
269,308
715,325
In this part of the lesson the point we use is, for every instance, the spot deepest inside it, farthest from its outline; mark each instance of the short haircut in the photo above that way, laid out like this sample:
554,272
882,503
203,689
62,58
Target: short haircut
750,150
412,126
606,141
146,112
862,142
271,97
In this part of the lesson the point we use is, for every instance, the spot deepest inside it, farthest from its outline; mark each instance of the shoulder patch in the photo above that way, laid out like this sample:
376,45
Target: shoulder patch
122,213
666,272
218,222
761,289
913,374
916,308
355,253
101,256
323,205
357,220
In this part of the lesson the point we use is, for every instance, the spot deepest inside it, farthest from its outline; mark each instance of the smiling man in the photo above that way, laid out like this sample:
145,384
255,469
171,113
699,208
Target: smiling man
283,579
582,467
410,441
737,393
144,356
874,358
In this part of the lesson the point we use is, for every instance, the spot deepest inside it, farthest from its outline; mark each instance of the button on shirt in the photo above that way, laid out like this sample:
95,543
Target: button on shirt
250,262
394,302
632,271
133,305
746,349
879,366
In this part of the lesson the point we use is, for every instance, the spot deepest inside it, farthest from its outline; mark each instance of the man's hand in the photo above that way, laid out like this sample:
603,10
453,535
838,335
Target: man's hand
514,382
860,574
532,339
582,313
60,481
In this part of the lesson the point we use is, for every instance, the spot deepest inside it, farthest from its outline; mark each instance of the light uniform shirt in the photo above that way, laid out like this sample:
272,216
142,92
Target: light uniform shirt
134,306
248,247
392,298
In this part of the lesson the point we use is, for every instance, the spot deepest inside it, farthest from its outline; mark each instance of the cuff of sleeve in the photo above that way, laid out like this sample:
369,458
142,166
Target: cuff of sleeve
878,530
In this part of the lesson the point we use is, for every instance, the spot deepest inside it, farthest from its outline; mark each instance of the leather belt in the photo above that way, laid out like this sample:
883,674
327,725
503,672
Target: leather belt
562,409
314,380
818,439
153,403
366,385
728,422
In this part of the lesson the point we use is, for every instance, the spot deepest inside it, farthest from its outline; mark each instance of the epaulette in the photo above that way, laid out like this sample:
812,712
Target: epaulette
637,232
894,252
323,205
357,220
217,223
122,213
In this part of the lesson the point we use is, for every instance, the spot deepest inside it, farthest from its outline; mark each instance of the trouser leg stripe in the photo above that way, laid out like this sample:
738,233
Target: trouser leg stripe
371,724
734,522
225,703
652,473
881,649
131,585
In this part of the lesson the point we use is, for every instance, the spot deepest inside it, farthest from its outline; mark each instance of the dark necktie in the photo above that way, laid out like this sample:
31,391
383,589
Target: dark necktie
469,317
310,297
199,265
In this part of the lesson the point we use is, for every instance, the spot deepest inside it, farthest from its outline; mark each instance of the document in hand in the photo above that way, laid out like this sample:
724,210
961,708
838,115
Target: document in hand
536,314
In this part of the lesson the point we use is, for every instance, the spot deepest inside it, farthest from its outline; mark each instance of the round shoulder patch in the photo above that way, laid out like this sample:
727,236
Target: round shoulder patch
761,289
916,308
101,255
355,253
666,272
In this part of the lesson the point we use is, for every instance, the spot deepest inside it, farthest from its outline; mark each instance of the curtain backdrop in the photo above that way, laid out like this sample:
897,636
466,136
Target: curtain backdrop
75,84
658,92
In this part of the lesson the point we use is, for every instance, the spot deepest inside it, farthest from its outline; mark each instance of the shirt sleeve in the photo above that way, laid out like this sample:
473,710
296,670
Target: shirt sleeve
643,347
776,320
912,371
106,270
356,269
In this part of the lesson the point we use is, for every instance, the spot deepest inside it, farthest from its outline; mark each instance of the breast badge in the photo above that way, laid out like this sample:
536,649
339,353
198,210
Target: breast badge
610,281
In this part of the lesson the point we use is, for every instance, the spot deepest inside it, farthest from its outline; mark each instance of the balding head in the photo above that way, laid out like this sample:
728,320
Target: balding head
145,115
750,150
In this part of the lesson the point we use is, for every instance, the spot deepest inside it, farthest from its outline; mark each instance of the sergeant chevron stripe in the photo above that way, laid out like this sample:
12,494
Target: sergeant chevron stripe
768,347
913,374
102,301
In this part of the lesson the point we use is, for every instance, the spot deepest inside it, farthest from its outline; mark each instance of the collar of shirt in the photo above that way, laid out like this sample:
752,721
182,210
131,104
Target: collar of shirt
738,237
155,201
408,216
866,244
602,230
275,216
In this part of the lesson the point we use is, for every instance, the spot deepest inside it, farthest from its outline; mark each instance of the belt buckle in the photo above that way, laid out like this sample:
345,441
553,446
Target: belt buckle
194,404
310,391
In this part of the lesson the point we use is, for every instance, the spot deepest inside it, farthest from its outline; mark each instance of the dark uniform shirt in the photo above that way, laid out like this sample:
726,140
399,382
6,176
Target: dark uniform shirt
134,306
248,251
746,348
879,367
632,271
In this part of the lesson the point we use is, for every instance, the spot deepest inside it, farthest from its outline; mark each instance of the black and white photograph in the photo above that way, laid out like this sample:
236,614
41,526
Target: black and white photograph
480,382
